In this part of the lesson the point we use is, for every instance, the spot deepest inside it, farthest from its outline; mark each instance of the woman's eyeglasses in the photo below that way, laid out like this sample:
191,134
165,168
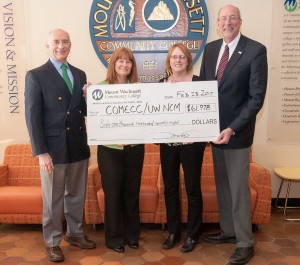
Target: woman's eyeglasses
175,57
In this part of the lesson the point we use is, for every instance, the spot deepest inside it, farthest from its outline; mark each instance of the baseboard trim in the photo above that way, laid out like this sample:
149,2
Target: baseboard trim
291,202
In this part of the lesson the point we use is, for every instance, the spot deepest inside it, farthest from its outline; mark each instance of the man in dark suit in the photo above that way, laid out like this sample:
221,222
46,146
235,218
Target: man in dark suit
55,113
242,86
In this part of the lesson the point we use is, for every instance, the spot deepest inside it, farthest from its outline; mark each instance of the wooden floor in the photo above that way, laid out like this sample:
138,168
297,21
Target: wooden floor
277,243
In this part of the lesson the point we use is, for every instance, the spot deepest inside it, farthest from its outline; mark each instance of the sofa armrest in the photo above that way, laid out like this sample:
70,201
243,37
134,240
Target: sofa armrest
260,180
3,175
92,211
161,213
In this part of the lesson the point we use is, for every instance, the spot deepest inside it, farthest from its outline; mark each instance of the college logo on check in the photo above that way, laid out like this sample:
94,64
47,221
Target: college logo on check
97,94
149,28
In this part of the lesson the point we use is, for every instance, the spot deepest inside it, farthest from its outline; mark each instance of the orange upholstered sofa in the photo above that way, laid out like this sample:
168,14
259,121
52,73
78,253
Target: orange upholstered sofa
152,205
20,187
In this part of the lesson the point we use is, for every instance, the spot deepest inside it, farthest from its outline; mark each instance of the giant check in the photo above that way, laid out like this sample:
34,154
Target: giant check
153,113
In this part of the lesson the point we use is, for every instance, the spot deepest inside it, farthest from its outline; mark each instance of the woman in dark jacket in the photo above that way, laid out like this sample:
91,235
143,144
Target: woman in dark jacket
189,155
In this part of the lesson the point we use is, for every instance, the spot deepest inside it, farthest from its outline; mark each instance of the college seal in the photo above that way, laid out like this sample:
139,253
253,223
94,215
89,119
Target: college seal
149,28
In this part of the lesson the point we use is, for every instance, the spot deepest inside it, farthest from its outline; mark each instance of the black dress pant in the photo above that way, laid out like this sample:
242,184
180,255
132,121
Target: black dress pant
121,179
190,156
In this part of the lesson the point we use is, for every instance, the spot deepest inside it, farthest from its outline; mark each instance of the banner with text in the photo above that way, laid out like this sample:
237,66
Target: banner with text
12,71
284,86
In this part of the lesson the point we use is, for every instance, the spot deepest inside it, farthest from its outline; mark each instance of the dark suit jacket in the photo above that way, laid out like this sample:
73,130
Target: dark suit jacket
56,119
242,88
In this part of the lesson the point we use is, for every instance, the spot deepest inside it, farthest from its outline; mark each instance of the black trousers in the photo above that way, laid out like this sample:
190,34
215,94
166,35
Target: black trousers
121,179
190,156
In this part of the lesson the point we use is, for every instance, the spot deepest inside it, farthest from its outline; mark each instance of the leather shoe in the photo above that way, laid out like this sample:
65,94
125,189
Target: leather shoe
119,249
133,244
171,241
189,245
219,238
82,242
242,255
54,254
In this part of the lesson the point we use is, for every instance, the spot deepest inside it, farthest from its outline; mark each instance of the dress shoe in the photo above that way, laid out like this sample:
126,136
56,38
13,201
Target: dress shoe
189,245
82,242
242,255
133,244
54,254
119,249
171,241
219,238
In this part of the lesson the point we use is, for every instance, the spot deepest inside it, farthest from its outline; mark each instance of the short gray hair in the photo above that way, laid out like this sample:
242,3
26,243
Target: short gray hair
236,8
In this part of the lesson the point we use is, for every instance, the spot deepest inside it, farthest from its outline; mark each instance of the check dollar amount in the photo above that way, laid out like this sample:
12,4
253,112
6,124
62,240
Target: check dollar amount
152,113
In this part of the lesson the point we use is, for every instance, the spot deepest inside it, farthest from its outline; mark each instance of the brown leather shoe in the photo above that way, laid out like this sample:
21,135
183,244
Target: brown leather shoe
54,254
82,242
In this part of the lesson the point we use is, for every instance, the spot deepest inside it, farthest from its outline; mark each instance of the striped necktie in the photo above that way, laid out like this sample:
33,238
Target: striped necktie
222,64
66,77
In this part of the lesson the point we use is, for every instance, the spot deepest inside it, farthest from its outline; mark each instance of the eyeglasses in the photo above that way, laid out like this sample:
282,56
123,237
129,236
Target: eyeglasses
63,42
231,19
175,57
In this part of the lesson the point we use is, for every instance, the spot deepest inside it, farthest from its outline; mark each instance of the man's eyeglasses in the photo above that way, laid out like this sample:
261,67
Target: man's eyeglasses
63,42
175,57
231,19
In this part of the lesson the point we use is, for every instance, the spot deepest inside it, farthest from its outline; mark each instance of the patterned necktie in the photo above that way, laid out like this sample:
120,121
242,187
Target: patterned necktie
66,77
222,64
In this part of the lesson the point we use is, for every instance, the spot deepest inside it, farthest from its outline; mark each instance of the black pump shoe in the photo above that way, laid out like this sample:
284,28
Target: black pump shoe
189,245
133,244
119,249
171,241
218,238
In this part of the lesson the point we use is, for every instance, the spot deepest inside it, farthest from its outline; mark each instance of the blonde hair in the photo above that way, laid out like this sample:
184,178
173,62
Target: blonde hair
121,53
185,51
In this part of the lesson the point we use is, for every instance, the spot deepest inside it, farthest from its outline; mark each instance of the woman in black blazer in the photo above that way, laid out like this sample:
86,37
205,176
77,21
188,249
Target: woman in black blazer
190,155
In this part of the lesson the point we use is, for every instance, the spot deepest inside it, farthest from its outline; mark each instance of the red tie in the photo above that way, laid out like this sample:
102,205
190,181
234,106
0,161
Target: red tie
222,64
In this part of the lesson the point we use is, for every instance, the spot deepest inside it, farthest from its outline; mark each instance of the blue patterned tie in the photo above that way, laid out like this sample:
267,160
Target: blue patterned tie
66,77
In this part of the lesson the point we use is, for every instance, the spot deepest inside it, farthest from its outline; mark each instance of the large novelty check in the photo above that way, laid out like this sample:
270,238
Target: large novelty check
153,113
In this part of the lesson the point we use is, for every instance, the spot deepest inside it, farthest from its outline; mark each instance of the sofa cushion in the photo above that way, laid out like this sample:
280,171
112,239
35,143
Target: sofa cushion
210,202
148,199
21,199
